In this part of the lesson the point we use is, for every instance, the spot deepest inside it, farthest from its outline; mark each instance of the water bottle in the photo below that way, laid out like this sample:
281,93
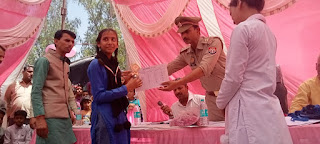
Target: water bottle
78,117
203,114
136,115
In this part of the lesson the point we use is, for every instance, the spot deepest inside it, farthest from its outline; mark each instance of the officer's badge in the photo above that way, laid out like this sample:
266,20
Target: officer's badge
192,61
212,50
205,40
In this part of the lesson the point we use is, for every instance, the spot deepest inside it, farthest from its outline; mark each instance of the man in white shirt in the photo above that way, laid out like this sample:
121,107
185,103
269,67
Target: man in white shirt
187,101
253,112
18,96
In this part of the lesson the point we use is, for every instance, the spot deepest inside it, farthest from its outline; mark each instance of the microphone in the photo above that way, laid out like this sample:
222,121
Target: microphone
161,104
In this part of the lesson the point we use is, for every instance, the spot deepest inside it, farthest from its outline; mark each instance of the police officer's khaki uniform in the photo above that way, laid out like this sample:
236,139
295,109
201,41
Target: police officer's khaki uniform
209,56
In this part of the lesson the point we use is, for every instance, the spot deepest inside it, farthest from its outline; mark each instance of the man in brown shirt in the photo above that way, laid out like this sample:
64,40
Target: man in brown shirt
207,60
51,94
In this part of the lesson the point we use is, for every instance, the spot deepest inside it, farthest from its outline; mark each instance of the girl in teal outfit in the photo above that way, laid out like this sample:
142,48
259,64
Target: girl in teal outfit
108,118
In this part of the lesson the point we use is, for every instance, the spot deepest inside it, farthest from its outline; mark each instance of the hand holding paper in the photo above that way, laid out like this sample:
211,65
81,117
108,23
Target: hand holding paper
153,76
168,85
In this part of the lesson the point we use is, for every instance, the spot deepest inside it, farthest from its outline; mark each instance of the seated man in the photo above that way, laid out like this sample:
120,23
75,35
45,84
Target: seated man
186,102
308,92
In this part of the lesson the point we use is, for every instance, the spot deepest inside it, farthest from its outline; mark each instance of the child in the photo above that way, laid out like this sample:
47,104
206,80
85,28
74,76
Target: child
2,113
18,132
132,102
86,109
108,119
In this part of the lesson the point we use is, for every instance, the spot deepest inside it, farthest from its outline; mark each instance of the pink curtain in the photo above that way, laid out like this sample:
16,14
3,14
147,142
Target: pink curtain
162,49
12,12
296,30
270,7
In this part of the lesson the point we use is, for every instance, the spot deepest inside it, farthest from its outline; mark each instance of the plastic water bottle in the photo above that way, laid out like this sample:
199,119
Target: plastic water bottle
136,115
78,117
203,114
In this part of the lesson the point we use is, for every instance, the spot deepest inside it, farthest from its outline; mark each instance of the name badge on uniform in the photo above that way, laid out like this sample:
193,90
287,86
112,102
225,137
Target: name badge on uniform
192,61
212,50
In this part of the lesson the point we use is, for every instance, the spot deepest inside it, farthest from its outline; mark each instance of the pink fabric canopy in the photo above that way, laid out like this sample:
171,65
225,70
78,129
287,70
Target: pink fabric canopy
20,25
295,29
271,6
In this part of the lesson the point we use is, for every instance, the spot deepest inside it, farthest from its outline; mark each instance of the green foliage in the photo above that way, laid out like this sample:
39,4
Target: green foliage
51,25
101,16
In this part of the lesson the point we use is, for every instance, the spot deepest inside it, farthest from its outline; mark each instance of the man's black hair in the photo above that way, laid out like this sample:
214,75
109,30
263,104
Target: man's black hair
26,67
59,34
20,113
257,4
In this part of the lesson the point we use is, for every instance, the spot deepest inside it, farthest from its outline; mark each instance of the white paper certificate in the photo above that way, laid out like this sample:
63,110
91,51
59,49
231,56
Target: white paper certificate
153,76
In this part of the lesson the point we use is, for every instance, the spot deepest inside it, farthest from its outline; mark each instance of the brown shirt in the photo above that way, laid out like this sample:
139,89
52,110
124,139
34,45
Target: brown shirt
208,56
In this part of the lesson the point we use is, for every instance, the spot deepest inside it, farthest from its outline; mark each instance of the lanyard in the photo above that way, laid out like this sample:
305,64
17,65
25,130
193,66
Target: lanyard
114,74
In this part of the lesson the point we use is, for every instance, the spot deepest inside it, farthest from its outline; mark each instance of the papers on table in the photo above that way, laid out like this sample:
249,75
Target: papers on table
165,125
217,124
153,76
81,127
151,126
297,123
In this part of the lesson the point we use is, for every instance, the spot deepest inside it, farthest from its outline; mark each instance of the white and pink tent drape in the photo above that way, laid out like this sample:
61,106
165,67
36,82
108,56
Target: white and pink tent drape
151,39
21,22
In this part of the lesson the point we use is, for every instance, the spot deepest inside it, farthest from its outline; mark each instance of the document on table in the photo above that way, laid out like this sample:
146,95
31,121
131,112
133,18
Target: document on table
153,76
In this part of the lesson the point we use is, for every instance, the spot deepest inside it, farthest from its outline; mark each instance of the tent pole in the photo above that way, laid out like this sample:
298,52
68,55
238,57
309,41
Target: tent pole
63,14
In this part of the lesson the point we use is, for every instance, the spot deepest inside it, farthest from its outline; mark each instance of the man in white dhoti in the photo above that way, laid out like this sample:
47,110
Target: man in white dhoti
253,112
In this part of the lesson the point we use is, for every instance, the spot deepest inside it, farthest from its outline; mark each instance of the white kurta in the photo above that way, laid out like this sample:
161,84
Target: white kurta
253,113
193,104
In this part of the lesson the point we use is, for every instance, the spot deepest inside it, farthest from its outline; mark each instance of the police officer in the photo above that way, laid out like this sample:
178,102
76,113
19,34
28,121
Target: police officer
207,60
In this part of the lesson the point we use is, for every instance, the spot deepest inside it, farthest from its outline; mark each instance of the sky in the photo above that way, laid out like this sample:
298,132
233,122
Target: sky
75,10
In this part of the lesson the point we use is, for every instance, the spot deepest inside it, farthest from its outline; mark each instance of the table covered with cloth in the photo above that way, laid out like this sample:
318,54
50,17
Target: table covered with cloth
155,133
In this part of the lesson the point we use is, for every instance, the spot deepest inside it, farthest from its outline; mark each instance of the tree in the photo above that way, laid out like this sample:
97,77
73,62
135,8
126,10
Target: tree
51,25
101,16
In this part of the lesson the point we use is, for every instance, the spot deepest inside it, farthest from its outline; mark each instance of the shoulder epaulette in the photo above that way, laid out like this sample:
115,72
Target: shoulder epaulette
208,40
184,49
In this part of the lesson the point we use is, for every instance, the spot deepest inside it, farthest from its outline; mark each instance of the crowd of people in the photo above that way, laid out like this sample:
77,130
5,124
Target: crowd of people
240,87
